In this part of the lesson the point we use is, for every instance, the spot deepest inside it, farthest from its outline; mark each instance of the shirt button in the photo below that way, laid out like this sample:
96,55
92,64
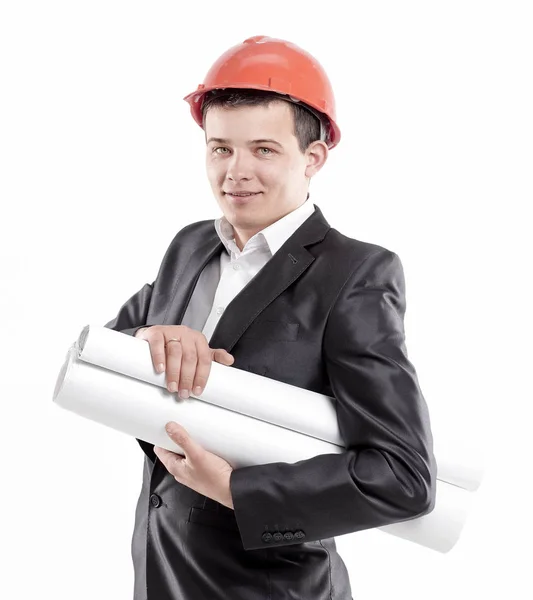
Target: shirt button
220,310
155,500
236,266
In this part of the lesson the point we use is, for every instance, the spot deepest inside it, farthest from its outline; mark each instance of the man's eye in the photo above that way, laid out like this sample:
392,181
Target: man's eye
268,150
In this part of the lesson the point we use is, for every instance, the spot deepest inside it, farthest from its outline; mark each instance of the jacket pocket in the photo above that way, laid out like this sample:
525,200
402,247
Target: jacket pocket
211,518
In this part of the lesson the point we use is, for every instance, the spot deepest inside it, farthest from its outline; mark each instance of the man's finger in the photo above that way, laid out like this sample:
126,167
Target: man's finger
181,437
170,460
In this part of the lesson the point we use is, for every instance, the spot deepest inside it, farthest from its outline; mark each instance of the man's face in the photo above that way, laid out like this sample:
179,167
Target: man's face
276,171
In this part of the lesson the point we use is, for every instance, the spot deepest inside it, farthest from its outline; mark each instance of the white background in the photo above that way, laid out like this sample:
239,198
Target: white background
101,164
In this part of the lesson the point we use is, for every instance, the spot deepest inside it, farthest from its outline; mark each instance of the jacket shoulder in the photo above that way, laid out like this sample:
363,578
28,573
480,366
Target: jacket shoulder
351,250
194,233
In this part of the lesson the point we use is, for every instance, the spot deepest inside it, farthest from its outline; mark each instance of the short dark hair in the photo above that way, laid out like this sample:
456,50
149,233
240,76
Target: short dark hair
306,124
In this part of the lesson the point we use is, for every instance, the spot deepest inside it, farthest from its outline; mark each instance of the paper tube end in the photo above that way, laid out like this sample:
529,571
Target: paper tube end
82,339
63,371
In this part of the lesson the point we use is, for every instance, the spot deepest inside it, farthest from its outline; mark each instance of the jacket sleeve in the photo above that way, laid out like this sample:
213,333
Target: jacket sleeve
133,313
388,472
131,317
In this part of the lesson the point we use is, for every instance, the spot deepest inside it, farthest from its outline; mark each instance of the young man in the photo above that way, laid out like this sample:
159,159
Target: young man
292,299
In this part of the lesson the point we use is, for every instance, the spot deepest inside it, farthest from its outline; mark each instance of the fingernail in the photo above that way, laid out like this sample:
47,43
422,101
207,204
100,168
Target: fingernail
197,390
172,387
160,367
184,394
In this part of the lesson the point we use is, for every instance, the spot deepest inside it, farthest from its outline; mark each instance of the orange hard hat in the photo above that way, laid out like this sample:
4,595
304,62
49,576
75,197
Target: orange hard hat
271,64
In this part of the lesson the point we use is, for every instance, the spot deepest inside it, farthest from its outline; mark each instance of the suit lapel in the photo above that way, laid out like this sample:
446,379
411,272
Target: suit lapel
285,267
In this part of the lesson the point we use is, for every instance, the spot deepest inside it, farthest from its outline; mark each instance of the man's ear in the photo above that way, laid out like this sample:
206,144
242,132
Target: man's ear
316,156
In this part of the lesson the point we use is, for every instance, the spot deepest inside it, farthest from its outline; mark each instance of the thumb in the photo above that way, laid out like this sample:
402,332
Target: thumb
223,357
181,436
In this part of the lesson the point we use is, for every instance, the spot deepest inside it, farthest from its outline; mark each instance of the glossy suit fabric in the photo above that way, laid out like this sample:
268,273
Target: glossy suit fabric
326,314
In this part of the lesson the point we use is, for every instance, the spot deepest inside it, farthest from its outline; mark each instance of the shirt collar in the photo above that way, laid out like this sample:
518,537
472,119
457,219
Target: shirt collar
270,238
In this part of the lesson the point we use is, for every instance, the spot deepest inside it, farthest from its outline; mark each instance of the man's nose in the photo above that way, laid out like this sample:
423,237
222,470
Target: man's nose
239,167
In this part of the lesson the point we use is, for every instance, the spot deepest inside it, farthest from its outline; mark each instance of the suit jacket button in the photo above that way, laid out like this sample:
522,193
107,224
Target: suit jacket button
288,535
299,534
278,536
266,537
155,500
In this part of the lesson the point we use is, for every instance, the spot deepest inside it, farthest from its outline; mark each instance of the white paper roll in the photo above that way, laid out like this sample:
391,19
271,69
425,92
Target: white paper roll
266,399
142,410
249,394
246,419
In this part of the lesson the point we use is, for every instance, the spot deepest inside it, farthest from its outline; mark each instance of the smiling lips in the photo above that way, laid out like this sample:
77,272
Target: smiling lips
242,193
241,197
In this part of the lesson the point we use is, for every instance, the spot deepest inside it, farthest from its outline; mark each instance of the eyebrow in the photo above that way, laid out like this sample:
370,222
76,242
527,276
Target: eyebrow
250,143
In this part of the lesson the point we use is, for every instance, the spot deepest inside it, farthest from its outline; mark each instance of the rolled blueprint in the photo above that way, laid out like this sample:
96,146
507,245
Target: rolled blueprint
108,377
265,399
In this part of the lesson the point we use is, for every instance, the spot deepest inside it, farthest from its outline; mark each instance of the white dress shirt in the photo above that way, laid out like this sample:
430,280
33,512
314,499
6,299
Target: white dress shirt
221,280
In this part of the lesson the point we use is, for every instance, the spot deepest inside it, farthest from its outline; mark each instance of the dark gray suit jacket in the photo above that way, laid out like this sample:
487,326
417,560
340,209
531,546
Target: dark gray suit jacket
326,314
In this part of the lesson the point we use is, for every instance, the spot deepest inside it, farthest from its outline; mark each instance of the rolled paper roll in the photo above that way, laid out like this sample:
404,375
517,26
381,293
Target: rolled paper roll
266,399
142,410
237,390
245,418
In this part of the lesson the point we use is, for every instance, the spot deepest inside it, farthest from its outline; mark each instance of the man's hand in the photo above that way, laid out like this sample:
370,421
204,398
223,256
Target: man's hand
185,355
202,471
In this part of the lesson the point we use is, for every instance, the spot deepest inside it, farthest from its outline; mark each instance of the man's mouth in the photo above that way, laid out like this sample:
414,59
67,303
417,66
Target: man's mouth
241,194
242,197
